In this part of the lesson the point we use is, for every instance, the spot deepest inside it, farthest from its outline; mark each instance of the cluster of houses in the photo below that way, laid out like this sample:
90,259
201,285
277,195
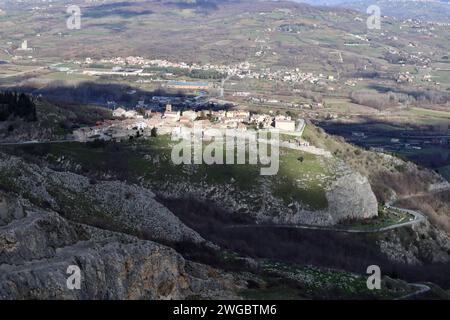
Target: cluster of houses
240,68
243,70
132,123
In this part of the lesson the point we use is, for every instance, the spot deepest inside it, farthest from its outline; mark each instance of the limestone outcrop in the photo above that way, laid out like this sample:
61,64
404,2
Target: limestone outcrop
351,197
37,246
111,205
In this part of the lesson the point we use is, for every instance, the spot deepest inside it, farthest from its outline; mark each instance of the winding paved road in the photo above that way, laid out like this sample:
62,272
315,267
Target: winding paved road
417,218
423,288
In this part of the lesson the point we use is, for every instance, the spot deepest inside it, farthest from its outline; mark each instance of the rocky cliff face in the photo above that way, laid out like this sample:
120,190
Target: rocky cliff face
50,220
111,205
37,246
349,197
422,244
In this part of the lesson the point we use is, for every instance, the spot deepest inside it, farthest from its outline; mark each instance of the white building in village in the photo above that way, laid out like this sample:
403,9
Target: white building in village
130,114
139,125
172,115
285,125
119,112
192,115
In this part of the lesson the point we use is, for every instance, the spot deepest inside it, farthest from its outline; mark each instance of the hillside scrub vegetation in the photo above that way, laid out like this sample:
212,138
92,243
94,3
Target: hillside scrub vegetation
305,247
435,206
388,175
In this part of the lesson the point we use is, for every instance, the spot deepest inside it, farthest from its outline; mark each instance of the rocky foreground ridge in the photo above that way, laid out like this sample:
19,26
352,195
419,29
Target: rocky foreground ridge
50,220
119,237
111,205
37,246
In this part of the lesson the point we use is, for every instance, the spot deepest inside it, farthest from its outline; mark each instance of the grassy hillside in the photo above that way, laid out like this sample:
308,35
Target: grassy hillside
302,177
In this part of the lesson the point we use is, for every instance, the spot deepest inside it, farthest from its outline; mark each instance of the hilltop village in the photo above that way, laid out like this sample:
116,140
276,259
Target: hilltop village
130,123
133,124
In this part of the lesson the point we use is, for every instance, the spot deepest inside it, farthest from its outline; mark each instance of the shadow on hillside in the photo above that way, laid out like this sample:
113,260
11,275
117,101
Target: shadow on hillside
348,252
94,93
